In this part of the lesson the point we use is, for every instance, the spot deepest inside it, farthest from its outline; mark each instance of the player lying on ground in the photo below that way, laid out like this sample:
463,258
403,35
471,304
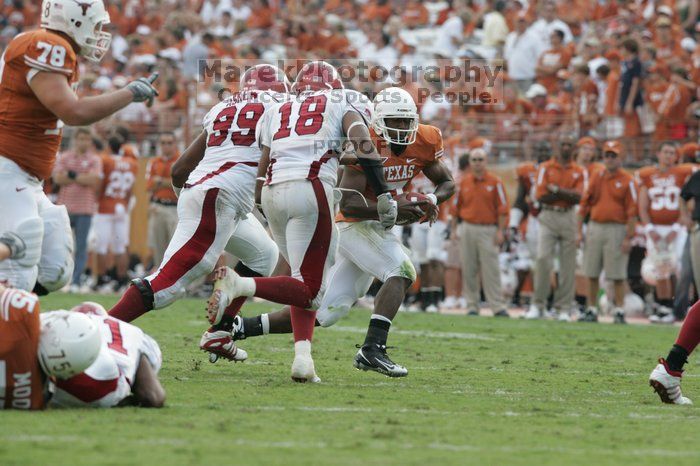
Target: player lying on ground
37,96
216,176
367,250
300,141
70,359
125,372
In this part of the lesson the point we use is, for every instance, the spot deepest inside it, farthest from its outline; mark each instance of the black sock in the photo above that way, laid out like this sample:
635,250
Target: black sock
378,332
676,358
252,326
225,324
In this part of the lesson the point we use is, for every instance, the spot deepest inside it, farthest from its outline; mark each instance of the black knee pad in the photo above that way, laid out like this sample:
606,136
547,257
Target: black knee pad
146,291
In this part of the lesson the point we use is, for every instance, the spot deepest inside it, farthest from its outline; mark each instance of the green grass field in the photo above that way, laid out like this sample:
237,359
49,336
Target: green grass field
480,391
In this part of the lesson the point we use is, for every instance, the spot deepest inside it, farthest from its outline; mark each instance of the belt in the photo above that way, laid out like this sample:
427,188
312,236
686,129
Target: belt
164,202
556,208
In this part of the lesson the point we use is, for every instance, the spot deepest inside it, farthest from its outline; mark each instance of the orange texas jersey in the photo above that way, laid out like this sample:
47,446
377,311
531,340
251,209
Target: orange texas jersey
29,133
400,170
664,191
21,380
117,182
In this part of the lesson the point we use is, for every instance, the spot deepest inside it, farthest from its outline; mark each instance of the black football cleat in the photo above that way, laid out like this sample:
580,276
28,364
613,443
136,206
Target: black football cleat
374,358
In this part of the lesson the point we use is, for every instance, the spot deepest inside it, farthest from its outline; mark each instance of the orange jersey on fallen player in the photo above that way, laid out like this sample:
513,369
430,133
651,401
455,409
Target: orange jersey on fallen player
21,380
400,170
117,183
29,133
664,189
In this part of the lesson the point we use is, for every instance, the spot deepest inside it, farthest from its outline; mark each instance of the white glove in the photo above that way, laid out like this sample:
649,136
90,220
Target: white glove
15,244
387,208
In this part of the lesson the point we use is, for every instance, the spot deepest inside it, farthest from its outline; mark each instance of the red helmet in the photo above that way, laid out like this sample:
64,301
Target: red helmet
317,76
264,77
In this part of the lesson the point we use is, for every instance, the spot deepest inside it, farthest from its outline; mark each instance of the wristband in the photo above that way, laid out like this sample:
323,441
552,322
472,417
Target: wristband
432,197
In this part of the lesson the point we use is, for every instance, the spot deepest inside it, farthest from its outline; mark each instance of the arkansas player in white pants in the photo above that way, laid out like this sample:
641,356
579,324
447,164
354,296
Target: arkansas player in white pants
300,140
220,167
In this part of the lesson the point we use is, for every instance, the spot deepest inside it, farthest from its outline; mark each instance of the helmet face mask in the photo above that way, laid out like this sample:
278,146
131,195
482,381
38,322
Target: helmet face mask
395,116
82,21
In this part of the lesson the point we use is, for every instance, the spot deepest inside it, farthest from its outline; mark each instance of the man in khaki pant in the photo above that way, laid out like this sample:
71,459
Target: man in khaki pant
162,219
611,201
482,208
558,188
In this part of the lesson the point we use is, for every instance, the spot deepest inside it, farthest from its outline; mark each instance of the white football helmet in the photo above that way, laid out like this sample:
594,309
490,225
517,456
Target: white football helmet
90,307
69,343
82,21
394,102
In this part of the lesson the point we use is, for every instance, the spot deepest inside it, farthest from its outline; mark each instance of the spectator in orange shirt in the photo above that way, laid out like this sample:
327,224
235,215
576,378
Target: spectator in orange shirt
482,210
415,14
552,60
261,15
377,10
163,211
611,202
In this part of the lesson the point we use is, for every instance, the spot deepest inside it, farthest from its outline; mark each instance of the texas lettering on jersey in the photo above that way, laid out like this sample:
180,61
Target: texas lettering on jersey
399,171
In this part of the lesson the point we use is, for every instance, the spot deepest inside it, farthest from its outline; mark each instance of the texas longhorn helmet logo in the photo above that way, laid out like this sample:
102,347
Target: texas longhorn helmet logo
84,6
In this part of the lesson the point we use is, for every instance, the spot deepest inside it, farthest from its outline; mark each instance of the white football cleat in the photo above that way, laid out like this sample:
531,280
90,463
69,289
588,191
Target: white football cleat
303,369
219,344
564,316
664,315
667,384
226,289
533,312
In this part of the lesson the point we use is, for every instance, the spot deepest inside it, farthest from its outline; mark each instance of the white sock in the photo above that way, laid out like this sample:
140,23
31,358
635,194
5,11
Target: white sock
265,321
380,317
247,286
302,347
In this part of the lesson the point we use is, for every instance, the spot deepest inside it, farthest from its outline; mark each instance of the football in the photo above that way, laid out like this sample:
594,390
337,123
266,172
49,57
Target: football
412,197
